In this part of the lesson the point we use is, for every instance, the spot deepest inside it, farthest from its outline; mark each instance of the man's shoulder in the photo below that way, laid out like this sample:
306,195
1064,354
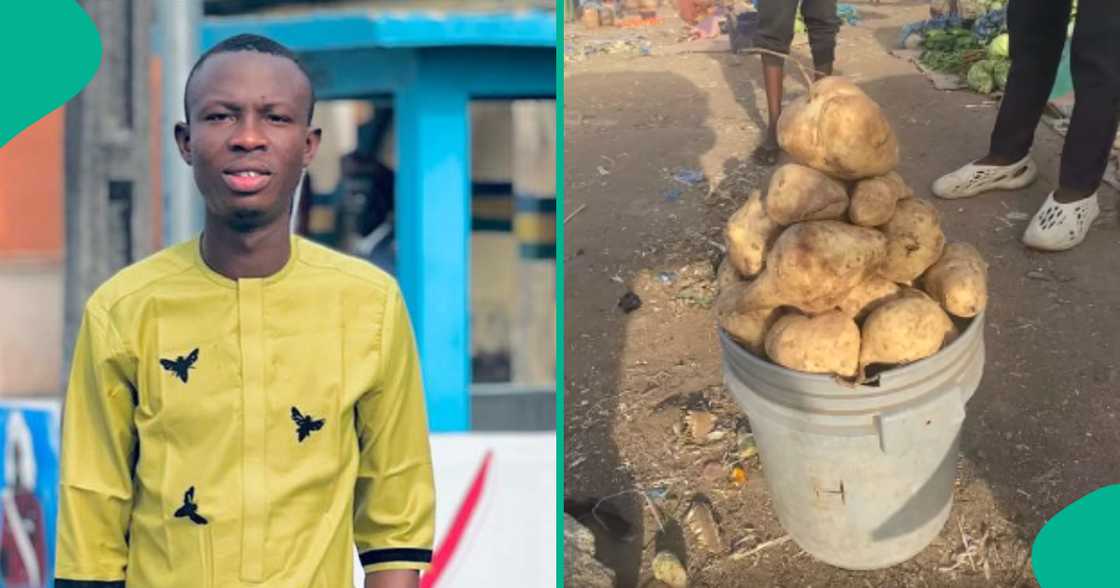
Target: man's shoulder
355,271
140,275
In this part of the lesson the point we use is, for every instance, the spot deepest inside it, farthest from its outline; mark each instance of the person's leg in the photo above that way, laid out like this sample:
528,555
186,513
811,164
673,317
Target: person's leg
1064,219
775,33
773,75
1038,33
1095,65
822,25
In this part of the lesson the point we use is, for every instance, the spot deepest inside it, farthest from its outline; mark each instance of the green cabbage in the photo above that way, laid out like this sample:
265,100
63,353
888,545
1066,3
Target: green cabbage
1000,47
980,77
1000,71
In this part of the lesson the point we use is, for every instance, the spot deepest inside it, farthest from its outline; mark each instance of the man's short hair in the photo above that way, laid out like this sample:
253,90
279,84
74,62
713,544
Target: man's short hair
248,42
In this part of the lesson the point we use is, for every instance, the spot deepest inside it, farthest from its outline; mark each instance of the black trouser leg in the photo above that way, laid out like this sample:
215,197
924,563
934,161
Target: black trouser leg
1095,65
775,25
822,24
1038,33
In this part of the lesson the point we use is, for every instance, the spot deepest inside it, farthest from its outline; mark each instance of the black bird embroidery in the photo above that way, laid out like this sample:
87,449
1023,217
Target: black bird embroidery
180,365
305,424
190,509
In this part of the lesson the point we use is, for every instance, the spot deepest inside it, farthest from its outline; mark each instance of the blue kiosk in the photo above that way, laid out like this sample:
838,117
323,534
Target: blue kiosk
431,64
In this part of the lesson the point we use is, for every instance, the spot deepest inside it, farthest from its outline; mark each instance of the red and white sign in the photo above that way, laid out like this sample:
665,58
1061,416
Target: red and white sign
495,511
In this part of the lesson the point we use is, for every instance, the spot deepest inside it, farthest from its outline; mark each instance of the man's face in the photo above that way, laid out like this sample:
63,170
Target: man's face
248,139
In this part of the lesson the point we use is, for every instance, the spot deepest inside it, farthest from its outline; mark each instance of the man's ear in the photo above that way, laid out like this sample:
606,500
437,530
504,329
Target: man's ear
183,140
311,145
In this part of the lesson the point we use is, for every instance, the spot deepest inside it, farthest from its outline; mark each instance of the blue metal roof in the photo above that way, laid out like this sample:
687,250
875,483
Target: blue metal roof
320,31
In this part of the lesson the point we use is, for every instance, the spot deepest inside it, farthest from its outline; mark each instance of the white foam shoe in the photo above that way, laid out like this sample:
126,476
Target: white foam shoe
1057,226
973,179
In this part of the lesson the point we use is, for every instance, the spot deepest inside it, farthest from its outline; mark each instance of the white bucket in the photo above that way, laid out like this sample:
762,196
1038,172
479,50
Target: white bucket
861,476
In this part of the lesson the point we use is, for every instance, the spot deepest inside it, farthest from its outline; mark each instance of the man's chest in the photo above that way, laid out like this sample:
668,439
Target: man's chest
254,360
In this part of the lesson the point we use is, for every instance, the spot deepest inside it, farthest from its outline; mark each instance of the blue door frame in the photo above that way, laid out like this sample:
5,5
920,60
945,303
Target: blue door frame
433,65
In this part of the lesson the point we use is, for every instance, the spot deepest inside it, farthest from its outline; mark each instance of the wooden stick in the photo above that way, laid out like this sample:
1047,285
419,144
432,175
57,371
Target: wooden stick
574,212
967,548
768,544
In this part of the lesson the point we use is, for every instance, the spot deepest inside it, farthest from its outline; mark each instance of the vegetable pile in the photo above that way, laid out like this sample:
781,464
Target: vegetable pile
951,50
975,46
839,268
977,50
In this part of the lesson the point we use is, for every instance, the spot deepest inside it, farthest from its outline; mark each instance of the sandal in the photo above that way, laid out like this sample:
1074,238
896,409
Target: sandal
1057,226
973,179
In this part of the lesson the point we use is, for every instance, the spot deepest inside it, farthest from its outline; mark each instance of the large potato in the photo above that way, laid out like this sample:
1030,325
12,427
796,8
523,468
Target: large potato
951,336
835,86
726,276
909,328
731,296
867,296
748,235
904,189
914,240
959,280
748,327
813,265
825,344
798,193
839,130
873,200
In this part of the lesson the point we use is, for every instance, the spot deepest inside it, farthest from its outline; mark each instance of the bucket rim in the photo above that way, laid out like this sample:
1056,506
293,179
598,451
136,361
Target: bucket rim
889,381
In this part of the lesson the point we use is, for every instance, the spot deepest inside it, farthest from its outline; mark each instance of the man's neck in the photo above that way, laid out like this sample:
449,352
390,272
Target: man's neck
252,254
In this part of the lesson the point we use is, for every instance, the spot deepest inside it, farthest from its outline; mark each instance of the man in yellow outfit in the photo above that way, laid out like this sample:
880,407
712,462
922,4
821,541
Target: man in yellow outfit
245,408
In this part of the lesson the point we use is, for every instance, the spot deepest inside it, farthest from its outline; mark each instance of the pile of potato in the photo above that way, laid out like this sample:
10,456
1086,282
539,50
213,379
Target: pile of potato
839,266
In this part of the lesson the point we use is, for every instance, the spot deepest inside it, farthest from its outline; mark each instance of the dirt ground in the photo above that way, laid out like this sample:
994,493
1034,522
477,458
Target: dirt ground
1041,430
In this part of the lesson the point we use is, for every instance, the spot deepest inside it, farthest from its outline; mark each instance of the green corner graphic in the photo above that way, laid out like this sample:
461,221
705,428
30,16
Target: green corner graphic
1079,546
50,50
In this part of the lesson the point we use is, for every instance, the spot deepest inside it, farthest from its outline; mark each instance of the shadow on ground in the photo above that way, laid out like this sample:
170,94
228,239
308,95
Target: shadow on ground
606,147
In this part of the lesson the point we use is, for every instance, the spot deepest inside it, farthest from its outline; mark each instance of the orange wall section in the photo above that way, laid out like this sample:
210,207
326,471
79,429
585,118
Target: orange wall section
31,189
33,183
